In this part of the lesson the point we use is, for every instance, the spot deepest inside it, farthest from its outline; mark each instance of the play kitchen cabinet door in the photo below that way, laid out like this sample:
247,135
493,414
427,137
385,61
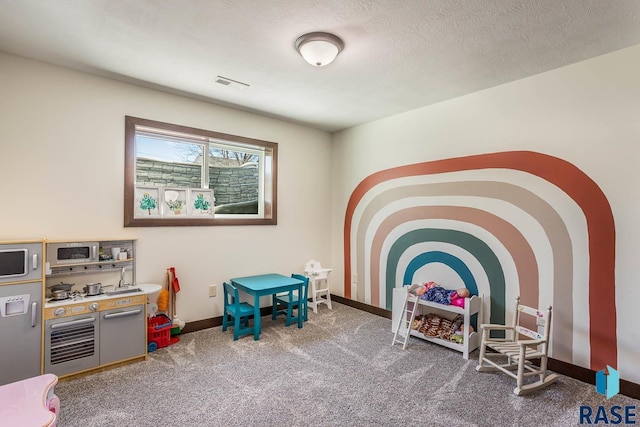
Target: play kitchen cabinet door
122,334
20,331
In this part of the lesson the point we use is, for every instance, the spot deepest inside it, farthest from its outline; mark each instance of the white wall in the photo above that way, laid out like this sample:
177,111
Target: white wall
62,175
587,114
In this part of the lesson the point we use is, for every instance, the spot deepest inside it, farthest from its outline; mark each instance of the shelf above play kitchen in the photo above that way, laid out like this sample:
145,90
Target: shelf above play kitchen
70,257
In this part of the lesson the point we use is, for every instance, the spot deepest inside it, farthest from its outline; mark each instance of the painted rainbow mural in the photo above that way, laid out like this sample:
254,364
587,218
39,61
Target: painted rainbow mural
502,225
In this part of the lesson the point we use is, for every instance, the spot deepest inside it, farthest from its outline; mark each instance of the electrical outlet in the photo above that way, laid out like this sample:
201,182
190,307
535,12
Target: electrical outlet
212,290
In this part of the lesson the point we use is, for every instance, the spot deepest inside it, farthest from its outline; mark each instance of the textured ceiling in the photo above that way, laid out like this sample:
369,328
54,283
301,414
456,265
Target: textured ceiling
398,55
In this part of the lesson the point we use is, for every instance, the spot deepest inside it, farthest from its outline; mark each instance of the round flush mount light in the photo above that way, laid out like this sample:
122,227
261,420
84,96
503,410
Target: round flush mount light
319,49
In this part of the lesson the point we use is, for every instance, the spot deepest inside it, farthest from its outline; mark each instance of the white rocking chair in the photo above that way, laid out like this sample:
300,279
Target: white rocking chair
519,347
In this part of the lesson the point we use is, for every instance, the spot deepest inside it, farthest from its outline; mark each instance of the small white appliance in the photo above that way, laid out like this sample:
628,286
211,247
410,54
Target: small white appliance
65,253
20,262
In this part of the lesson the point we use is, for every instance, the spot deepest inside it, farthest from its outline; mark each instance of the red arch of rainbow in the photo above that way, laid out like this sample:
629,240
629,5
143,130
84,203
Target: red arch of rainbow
582,189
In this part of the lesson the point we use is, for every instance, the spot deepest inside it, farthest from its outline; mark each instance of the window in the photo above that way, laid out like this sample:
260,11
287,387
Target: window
177,175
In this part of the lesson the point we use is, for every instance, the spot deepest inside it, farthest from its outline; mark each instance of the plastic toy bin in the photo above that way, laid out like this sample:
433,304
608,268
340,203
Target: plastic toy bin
158,332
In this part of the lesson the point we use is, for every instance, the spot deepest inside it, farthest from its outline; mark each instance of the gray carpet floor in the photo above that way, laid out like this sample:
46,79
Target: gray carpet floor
339,370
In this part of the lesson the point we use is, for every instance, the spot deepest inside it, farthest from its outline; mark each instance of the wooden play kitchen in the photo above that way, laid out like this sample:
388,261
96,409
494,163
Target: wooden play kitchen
70,307
98,325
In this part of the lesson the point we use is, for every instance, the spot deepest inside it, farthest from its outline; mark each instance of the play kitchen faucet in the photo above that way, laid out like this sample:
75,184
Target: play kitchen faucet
121,283
123,287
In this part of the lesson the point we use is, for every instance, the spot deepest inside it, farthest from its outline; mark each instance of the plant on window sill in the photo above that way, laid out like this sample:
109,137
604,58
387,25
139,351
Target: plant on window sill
147,203
201,204
175,206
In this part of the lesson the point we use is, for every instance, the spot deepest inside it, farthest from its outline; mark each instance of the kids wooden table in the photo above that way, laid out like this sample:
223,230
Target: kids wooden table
267,284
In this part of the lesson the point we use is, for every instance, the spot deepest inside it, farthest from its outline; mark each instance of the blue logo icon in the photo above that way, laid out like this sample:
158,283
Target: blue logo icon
608,385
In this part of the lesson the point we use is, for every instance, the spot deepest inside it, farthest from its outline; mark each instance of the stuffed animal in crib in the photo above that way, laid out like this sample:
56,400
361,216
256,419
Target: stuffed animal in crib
420,290
431,291
458,335
458,296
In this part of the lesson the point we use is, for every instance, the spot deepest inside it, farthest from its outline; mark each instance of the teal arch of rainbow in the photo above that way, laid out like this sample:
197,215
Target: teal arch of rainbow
451,261
577,185
476,247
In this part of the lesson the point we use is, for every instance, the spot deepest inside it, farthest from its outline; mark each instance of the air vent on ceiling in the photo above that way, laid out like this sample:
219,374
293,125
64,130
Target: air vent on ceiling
231,83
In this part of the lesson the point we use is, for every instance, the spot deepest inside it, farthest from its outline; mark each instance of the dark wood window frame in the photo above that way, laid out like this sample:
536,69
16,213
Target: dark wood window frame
270,177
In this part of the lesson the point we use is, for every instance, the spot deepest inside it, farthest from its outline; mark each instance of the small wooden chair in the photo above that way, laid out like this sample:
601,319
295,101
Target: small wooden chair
239,311
520,346
290,302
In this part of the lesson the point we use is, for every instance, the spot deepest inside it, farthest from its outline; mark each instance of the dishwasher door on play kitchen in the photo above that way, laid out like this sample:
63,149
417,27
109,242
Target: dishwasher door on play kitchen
123,334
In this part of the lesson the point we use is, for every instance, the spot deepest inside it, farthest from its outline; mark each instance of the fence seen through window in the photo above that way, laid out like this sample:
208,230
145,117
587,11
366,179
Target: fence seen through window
176,175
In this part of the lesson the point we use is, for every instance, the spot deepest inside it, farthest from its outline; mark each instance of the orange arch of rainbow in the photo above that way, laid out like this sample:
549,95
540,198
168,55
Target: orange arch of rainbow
577,185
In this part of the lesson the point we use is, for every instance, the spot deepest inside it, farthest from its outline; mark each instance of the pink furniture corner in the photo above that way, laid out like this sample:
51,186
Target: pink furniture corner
30,402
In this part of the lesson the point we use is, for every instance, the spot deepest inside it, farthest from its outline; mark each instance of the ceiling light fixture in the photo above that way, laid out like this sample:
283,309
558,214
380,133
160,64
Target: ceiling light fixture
318,48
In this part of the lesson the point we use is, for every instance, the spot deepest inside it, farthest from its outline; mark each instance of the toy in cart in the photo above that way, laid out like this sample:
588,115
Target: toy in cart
161,329
159,332
167,299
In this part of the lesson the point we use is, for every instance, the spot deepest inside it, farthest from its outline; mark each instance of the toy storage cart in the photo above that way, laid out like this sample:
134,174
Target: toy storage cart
158,332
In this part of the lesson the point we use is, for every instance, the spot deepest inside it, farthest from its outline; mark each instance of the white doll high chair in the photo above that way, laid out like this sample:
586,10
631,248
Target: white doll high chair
319,281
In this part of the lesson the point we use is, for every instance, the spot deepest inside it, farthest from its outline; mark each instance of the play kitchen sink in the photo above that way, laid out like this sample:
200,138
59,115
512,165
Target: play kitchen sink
150,289
147,288
123,290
